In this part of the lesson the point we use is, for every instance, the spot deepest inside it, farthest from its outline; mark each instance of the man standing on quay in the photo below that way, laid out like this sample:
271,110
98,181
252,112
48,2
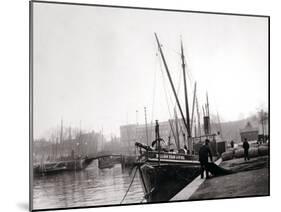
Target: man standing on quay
246,147
204,152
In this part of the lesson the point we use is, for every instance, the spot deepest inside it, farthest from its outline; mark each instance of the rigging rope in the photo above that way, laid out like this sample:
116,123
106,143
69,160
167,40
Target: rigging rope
154,90
129,186
153,97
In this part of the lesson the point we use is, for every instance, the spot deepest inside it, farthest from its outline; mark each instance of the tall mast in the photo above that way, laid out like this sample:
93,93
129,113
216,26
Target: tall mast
203,111
184,136
207,105
102,139
177,127
171,82
185,93
69,134
208,108
58,142
61,131
61,138
195,129
146,126
137,123
193,107
198,117
219,125
204,119
56,146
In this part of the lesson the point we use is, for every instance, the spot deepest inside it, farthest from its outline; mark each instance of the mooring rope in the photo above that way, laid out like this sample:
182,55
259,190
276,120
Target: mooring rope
129,186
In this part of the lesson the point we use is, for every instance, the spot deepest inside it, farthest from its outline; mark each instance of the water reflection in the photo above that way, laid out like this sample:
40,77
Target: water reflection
90,187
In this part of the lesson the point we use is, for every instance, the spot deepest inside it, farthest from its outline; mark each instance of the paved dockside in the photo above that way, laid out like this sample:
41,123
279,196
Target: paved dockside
251,178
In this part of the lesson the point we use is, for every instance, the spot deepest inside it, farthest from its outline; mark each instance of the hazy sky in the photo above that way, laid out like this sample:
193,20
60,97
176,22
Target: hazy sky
99,65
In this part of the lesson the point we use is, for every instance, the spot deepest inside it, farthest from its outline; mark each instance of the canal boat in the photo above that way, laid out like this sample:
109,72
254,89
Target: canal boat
106,162
61,166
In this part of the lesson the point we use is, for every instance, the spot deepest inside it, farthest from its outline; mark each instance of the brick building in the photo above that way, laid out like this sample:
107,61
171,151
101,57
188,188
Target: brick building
129,134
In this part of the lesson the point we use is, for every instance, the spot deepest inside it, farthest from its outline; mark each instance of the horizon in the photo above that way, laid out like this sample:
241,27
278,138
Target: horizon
111,135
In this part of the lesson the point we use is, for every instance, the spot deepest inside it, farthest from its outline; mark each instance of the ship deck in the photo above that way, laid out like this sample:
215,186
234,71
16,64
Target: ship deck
251,178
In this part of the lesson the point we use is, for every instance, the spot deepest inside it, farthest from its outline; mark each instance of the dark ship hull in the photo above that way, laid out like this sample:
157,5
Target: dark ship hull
165,177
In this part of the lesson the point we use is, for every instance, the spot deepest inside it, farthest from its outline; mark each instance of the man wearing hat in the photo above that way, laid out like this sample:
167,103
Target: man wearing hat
204,152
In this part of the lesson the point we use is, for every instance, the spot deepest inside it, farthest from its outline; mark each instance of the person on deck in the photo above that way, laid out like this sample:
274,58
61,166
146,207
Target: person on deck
204,153
246,147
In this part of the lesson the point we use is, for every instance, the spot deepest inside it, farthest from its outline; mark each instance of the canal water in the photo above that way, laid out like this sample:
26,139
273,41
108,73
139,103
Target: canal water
89,187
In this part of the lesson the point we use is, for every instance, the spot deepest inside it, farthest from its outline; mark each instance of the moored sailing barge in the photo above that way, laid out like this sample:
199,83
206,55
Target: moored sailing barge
163,174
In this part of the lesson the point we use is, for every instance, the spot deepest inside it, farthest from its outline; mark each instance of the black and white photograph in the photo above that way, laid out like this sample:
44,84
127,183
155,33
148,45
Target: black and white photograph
133,105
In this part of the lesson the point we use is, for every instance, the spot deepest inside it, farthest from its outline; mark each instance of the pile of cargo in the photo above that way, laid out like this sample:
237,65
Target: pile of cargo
254,151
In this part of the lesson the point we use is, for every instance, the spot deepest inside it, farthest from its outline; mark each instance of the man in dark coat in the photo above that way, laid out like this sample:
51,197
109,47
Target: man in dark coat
204,153
232,144
246,147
